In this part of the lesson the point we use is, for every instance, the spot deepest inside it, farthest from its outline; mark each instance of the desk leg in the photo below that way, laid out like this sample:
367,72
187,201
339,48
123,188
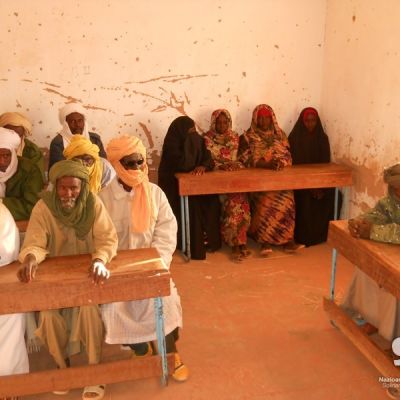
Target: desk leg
334,252
336,207
187,227
183,224
158,309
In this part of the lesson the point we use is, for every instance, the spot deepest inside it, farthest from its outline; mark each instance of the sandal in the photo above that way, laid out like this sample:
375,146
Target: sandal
266,250
292,246
237,255
97,390
245,251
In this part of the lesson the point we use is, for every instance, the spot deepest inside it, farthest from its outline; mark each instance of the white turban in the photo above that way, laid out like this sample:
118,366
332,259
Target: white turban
11,141
62,115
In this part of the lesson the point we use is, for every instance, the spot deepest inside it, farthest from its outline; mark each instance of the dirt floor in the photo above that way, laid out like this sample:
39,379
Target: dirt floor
257,330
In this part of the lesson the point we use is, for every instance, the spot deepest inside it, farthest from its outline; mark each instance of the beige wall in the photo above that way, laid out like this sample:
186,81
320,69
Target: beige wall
136,65
360,92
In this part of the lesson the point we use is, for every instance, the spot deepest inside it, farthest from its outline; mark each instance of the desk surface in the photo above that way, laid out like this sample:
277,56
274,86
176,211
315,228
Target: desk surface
379,261
64,282
304,176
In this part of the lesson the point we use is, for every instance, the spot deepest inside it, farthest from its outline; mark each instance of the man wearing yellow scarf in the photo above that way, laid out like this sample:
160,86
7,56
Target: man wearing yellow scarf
143,218
100,171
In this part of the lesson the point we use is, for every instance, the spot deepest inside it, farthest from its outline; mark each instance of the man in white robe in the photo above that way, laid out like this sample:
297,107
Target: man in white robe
13,354
143,218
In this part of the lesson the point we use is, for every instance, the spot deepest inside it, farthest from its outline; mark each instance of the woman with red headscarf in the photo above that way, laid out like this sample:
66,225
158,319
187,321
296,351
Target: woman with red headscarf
314,207
265,145
223,144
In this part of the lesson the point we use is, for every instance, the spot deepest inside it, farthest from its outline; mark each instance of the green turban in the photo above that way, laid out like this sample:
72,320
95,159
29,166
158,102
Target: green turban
82,216
391,176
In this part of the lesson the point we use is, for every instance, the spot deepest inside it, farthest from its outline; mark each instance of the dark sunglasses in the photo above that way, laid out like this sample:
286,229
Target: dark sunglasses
132,163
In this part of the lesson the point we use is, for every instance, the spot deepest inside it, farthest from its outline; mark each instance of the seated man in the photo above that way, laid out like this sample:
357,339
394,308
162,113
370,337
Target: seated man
101,173
66,221
13,355
20,179
143,218
364,298
22,126
73,119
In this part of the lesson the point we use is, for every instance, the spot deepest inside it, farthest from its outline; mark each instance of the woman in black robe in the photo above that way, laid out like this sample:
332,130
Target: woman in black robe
314,207
184,150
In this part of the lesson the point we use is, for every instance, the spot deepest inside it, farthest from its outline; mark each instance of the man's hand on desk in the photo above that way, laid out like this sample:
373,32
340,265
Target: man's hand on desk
360,228
98,272
198,170
28,268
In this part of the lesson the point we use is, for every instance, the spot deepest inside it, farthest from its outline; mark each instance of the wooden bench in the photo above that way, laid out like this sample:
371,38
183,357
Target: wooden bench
381,262
304,176
63,282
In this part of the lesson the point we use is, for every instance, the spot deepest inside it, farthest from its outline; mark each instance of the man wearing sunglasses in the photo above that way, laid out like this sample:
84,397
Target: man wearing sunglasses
143,218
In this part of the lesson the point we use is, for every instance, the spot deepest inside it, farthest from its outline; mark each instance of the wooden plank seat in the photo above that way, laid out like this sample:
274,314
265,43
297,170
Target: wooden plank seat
64,282
303,176
381,262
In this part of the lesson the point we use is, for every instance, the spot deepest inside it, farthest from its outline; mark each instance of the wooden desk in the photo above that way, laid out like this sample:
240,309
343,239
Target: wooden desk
304,176
63,282
379,261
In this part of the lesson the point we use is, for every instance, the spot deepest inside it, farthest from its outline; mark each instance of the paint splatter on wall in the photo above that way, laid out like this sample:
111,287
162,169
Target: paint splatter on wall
135,72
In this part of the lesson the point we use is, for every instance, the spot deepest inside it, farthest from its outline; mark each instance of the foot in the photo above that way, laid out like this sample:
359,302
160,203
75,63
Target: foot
237,255
266,250
95,392
393,393
245,251
181,372
147,353
292,246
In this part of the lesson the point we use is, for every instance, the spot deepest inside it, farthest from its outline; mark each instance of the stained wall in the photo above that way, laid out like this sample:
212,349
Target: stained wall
137,65
360,91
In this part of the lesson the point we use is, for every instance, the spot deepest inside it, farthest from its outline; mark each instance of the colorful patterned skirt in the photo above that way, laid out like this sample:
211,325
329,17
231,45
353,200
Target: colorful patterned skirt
272,217
235,218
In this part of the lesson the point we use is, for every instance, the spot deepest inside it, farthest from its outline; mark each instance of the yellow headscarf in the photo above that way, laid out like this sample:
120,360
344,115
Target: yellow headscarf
142,206
79,146
17,119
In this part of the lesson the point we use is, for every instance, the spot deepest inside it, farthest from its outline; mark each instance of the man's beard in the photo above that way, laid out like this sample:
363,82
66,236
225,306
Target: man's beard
67,204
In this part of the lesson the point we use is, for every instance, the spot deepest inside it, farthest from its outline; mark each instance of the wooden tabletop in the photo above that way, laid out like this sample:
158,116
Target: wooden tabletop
63,282
379,261
304,176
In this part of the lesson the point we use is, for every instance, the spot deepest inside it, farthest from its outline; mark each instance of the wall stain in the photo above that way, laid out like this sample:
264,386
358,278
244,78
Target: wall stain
50,84
18,104
129,115
26,80
366,179
4,79
69,98
90,107
147,132
187,98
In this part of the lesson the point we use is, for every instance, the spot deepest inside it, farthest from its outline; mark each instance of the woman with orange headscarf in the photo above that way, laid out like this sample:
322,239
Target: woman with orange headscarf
223,144
265,145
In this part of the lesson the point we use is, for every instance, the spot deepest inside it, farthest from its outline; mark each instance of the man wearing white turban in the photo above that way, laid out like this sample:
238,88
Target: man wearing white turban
73,118
20,179
23,127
